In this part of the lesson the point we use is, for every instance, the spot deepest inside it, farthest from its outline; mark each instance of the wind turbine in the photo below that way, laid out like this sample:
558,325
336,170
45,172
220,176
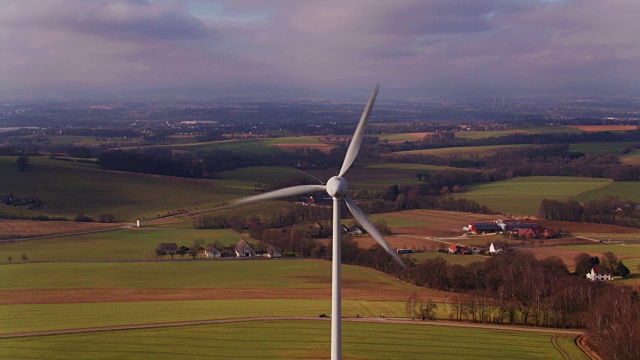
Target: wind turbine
337,188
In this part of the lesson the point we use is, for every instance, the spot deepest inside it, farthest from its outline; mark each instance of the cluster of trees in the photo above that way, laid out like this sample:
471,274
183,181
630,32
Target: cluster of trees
514,288
104,217
423,309
613,323
24,258
22,162
284,217
610,264
193,251
421,196
605,210
11,150
136,162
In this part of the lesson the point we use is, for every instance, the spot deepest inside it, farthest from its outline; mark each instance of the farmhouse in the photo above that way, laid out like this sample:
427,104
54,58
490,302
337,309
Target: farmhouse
244,250
354,230
167,249
459,249
484,227
507,225
273,252
211,252
496,248
597,274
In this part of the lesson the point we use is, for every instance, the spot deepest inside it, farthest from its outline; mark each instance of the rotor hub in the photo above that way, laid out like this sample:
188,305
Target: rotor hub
337,187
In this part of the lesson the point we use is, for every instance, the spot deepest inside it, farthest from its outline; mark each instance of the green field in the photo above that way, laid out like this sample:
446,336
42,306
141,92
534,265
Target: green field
124,244
601,147
291,277
295,340
274,274
632,158
626,190
465,151
255,145
523,195
400,137
68,188
412,168
498,133
45,317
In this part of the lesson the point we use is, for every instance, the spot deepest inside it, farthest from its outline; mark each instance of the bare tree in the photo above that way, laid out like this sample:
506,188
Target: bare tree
412,304
427,310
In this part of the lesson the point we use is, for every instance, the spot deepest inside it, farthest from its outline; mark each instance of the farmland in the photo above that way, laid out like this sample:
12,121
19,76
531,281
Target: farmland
602,147
523,195
628,190
68,188
466,151
311,341
114,278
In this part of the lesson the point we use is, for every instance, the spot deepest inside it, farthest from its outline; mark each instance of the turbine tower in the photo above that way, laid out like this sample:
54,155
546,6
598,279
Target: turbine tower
337,188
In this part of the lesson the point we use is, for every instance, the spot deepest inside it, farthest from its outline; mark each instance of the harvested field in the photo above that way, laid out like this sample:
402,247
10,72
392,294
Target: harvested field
10,229
566,255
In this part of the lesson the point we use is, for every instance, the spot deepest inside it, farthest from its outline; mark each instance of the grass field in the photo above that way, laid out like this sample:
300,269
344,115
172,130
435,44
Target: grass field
632,158
601,147
45,317
465,150
627,190
295,340
273,274
124,244
68,188
523,195
254,145
535,130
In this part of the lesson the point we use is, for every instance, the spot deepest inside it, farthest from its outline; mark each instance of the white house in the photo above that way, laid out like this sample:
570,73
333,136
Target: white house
244,250
495,249
211,252
273,252
598,275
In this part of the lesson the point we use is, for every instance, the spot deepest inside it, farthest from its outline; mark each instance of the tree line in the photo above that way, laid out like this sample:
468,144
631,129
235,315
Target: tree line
517,288
605,210
449,139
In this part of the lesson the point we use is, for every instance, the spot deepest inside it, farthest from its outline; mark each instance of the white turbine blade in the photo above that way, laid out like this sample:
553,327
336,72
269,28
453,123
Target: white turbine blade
362,219
356,141
281,193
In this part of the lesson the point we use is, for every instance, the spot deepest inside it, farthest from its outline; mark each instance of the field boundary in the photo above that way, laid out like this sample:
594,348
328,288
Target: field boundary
288,318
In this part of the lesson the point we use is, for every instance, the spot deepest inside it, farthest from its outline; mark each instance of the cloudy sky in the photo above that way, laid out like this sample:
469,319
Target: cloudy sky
492,47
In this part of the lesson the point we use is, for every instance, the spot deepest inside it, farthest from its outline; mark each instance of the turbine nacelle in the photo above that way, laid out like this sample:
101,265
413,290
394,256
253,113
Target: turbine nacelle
337,187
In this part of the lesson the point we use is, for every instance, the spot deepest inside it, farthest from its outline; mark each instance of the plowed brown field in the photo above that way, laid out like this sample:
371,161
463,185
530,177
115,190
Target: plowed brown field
10,229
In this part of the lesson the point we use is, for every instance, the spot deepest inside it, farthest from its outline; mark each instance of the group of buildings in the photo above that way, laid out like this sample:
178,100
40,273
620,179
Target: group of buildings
241,250
516,229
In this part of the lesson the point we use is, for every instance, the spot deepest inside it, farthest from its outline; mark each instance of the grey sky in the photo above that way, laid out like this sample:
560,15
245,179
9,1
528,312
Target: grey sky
449,46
